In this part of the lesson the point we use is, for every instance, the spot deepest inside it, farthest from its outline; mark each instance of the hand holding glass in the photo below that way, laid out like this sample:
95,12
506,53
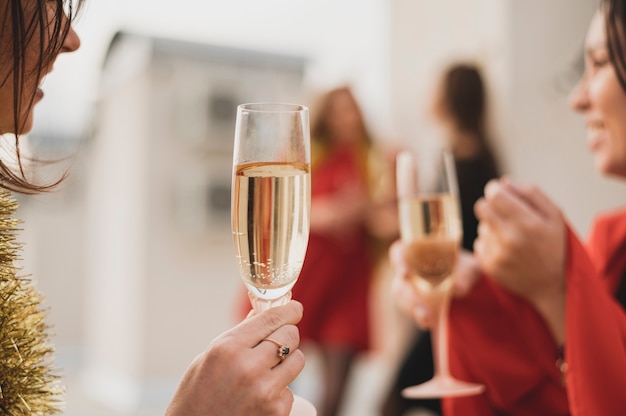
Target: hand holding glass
431,230
271,203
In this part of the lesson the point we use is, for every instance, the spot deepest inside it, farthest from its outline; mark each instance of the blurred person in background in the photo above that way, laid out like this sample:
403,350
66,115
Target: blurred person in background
542,326
352,219
459,110
240,372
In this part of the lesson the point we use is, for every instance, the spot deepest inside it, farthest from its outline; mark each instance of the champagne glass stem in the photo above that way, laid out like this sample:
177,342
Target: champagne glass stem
442,384
260,305
439,337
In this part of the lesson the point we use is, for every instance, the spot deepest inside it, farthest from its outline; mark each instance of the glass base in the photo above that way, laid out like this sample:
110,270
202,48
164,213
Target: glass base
442,387
302,407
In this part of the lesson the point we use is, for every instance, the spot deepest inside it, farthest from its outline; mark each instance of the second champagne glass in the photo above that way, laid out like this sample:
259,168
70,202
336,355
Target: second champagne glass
431,229
271,203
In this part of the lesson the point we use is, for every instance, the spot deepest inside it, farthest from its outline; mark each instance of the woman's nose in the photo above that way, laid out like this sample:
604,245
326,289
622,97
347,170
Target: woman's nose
71,42
579,97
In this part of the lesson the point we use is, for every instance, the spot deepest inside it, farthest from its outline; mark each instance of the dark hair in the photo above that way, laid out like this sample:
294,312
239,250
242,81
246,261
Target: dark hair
464,98
615,18
50,34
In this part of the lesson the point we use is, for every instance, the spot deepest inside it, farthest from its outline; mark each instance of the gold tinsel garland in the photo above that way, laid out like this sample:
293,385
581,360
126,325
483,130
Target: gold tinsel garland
28,382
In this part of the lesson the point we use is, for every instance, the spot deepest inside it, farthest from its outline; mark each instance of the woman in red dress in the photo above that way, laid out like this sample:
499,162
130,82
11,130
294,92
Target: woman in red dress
544,327
334,285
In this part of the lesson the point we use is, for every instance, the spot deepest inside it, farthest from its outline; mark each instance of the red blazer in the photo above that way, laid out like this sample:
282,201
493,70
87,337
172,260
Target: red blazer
498,339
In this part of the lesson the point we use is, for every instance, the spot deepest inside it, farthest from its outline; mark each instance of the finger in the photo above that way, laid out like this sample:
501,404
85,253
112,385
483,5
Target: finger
286,401
506,203
479,249
487,216
278,402
421,315
404,294
287,371
397,257
261,325
467,273
484,231
396,253
278,345
534,197
409,301
479,208
486,246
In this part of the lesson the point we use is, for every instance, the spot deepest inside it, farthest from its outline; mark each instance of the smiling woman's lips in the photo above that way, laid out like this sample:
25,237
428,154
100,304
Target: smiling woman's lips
593,140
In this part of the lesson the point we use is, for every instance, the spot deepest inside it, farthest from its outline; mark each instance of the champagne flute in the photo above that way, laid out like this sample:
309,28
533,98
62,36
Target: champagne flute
271,204
431,229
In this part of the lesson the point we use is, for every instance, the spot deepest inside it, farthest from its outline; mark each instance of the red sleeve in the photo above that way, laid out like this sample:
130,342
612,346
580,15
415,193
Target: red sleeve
606,246
595,347
498,339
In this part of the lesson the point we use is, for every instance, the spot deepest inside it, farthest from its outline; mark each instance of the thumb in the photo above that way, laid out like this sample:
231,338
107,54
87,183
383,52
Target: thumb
467,274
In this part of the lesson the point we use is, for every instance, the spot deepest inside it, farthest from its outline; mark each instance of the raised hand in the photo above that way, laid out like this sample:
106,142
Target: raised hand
408,297
242,373
521,245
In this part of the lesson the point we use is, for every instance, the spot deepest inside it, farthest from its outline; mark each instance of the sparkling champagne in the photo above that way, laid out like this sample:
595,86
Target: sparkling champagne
270,223
431,229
